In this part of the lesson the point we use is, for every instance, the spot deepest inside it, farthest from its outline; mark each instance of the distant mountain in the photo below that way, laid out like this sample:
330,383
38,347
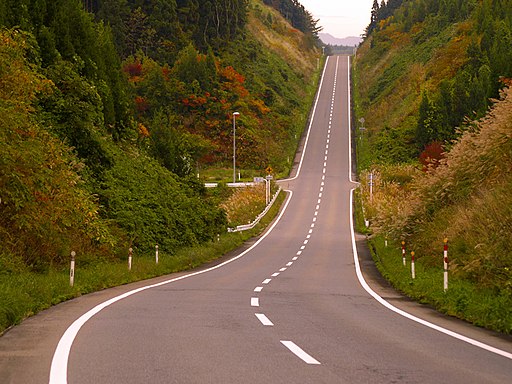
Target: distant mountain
350,41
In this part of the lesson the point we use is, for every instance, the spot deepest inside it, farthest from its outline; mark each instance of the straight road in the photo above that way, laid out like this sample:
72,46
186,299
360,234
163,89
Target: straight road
291,309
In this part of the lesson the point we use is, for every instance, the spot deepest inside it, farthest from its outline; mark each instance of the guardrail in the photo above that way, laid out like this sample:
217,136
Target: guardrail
246,227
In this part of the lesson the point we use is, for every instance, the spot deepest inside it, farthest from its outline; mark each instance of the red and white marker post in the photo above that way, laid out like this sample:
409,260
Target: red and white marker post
445,258
72,269
403,253
413,269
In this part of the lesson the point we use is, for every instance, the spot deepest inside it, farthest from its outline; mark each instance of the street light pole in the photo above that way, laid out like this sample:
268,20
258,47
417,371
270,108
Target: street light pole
235,114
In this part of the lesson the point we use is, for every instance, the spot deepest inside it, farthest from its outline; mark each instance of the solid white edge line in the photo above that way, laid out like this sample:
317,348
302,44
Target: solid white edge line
367,288
59,365
299,352
391,307
349,114
310,124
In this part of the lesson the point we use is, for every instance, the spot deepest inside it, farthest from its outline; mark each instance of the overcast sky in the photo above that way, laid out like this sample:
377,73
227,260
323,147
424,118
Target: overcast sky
341,18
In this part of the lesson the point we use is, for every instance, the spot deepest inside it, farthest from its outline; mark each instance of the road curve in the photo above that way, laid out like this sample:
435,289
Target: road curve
291,309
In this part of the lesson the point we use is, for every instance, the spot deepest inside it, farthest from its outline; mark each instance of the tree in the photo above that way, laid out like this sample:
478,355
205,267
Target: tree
374,19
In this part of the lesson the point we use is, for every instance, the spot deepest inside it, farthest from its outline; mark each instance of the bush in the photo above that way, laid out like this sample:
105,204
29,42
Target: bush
153,207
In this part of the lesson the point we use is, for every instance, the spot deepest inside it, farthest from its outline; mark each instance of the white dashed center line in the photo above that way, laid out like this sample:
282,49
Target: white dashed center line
299,352
264,319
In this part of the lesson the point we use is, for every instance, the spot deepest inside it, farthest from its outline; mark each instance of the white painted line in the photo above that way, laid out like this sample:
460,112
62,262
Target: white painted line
321,189
303,247
306,241
255,302
320,195
314,219
325,164
313,225
370,291
59,366
319,201
299,253
275,274
282,269
295,258
308,237
391,307
258,289
318,207
323,183
310,122
299,352
264,319
310,231
266,281
316,213
289,264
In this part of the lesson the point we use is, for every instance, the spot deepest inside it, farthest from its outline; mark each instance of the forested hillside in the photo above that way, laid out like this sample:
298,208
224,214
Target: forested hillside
432,84
108,109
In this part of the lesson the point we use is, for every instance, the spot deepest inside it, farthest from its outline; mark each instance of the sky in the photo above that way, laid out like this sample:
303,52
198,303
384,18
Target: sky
340,18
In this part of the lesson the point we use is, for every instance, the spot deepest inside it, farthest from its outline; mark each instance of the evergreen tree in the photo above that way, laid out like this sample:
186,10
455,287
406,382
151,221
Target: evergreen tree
374,18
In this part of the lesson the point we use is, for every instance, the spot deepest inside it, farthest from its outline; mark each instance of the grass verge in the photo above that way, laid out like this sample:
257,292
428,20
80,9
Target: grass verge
24,294
482,307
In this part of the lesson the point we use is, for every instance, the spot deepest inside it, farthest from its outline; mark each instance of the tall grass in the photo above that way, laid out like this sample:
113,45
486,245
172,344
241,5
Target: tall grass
467,198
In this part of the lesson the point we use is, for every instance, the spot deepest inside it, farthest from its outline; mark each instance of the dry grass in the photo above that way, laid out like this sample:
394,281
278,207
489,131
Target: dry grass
282,39
244,205
467,198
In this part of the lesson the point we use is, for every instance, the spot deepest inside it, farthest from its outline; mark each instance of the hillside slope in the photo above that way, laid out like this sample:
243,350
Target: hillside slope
115,105
426,77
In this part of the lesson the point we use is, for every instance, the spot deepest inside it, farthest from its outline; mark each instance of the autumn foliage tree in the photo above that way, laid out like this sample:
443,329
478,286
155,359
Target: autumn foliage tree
45,209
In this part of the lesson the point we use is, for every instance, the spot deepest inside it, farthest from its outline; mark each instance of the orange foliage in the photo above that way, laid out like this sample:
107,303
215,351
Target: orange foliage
166,72
431,156
194,101
141,104
143,131
234,81
229,73
133,69
260,106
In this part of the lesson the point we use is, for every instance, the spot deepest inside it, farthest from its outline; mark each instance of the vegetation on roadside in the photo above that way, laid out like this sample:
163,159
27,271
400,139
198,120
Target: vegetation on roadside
25,293
110,109
425,78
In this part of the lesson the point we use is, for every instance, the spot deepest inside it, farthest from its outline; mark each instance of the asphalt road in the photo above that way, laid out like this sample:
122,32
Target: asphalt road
291,309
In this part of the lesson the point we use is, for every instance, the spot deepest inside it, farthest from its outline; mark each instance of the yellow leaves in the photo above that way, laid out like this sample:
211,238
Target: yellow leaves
143,131
259,106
